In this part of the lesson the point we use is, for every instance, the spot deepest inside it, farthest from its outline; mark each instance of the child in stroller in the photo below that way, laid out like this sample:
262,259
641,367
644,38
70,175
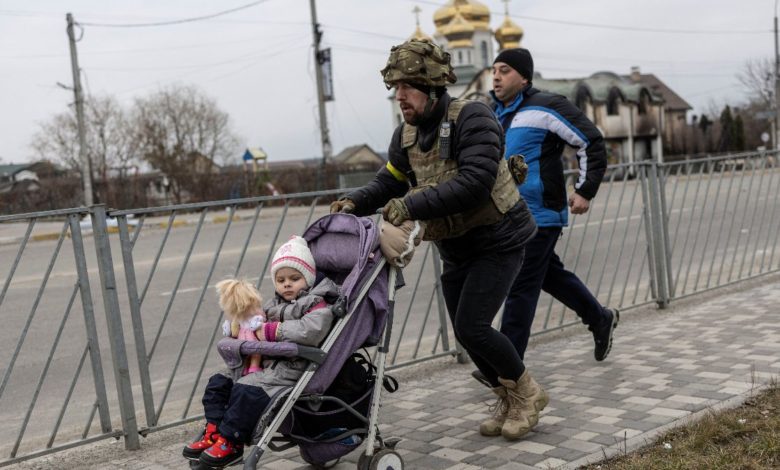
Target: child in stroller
300,312
333,407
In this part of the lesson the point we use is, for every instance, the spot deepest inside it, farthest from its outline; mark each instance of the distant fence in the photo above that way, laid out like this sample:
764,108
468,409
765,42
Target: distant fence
110,323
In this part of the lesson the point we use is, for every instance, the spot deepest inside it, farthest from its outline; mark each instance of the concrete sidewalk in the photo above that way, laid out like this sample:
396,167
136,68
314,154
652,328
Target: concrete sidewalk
666,367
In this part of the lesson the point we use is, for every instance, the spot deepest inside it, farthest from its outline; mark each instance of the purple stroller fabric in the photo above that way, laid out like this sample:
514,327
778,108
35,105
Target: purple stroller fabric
231,350
346,249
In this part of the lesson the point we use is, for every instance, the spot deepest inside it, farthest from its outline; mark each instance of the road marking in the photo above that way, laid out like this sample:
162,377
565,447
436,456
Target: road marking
194,289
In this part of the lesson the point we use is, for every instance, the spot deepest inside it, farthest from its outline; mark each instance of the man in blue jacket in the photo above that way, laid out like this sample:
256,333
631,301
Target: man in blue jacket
538,125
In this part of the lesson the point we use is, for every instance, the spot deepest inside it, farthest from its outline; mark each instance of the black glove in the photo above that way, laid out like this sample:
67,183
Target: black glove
395,211
518,168
343,205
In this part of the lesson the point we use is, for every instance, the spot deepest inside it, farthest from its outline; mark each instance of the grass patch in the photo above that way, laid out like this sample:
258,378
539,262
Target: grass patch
747,437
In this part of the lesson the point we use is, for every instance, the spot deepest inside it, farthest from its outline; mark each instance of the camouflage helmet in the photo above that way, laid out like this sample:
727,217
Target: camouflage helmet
418,61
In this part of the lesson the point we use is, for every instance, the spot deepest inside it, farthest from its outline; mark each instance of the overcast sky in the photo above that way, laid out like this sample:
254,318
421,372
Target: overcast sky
256,63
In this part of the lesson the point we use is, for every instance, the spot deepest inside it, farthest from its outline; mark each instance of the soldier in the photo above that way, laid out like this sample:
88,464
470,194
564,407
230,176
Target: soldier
446,168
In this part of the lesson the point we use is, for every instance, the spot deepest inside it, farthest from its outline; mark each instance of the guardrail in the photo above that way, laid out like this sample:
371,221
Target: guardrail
143,281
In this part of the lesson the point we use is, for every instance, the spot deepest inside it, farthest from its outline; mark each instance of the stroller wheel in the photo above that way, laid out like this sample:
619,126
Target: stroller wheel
384,459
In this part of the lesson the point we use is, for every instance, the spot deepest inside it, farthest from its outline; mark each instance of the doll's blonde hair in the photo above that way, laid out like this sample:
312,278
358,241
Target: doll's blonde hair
238,298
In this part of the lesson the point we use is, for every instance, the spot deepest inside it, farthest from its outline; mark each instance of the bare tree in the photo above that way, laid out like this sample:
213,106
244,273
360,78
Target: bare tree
758,77
57,140
110,141
185,135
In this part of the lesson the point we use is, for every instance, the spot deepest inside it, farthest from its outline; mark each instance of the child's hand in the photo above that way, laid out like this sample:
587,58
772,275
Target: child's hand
256,322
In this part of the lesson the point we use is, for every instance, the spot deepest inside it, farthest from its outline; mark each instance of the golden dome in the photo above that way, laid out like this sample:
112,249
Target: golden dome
472,11
418,32
508,34
458,32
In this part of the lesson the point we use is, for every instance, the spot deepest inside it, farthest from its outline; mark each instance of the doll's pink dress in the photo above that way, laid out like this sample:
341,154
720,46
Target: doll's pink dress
246,328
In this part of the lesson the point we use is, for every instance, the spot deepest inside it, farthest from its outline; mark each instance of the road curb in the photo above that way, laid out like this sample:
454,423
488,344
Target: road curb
48,236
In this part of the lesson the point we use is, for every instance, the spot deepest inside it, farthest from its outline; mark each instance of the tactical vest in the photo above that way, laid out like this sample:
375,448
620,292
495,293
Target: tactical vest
430,170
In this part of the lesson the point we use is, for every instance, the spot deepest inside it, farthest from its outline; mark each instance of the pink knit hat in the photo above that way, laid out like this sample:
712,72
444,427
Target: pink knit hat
295,254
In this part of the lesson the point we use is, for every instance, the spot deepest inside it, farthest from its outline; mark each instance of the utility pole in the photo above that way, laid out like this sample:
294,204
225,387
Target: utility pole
327,150
86,168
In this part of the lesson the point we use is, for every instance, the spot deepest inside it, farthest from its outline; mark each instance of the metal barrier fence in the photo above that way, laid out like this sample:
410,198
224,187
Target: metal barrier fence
143,281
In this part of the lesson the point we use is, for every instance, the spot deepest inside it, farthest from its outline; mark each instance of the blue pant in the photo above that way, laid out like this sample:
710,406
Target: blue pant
543,270
234,408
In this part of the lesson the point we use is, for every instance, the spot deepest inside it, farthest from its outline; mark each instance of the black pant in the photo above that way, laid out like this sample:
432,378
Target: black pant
474,289
543,270
234,408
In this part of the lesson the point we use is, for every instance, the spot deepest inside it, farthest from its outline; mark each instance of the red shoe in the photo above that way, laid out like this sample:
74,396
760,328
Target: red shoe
222,453
210,436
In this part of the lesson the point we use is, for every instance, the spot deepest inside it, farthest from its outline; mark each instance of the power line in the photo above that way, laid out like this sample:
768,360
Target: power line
174,22
254,62
155,49
255,54
428,2
360,31
618,27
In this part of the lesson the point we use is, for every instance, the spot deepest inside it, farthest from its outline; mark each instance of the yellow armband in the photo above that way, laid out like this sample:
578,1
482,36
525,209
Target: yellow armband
397,174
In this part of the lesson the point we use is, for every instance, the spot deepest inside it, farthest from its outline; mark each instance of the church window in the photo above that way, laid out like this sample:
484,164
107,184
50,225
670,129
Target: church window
613,103
644,100
484,50
460,57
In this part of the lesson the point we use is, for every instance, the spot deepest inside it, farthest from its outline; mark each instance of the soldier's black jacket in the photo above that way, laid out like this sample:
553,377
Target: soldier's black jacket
478,146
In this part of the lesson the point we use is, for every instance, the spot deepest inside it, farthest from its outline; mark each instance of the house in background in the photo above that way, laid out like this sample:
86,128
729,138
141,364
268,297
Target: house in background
26,176
675,109
357,165
361,155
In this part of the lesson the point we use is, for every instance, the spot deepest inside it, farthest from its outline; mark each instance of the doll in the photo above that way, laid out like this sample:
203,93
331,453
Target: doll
241,302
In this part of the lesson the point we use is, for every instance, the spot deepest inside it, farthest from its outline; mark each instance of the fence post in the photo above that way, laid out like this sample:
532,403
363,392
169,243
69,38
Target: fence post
89,322
137,322
114,322
659,236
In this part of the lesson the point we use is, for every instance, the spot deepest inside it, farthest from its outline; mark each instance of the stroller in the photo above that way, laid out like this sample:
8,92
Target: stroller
334,406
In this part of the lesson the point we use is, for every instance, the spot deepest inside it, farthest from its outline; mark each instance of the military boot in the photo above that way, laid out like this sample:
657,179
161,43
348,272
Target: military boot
492,426
526,399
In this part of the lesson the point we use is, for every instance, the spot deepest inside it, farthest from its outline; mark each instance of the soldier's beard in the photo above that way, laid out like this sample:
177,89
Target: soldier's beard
415,119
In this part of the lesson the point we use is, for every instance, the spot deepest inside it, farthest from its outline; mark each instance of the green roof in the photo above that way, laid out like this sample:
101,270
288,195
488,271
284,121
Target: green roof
598,86
13,168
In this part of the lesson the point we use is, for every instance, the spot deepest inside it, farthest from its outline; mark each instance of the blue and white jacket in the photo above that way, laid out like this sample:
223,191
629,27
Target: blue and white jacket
538,125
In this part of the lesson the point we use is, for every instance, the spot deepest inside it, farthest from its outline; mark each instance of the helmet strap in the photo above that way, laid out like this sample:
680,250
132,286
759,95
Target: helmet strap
429,105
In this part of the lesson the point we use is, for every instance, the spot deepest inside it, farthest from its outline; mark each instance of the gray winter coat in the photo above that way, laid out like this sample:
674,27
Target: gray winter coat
306,320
